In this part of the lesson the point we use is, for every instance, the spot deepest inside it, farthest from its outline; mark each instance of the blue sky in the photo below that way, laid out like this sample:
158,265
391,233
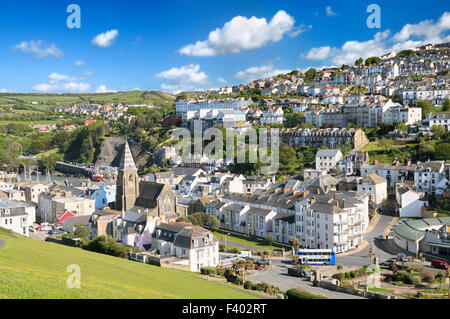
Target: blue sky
169,45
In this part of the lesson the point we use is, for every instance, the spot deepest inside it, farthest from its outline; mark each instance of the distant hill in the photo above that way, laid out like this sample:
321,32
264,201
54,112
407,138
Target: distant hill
37,270
46,101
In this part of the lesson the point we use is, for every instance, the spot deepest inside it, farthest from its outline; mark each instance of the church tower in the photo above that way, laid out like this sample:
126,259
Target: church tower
127,187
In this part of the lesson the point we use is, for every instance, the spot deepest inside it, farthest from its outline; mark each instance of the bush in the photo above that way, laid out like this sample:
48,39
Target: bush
248,284
427,277
339,276
298,294
208,271
416,280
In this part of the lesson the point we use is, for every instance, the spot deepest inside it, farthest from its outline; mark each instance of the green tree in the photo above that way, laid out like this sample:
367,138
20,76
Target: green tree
270,240
446,105
372,61
425,106
310,75
438,131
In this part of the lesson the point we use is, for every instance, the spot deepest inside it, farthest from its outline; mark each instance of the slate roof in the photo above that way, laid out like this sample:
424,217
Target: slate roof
126,159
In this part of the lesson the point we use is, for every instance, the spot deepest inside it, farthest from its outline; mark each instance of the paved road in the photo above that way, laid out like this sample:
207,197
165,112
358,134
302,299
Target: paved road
277,276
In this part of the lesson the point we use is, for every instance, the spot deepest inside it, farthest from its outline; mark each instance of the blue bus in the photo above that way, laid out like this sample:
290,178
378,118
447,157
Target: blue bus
316,256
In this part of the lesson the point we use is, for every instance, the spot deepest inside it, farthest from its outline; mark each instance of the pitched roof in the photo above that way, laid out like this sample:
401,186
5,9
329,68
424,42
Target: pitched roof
126,160
374,179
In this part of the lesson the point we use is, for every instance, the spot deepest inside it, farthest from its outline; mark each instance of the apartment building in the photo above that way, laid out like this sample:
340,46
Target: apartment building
327,159
430,177
182,107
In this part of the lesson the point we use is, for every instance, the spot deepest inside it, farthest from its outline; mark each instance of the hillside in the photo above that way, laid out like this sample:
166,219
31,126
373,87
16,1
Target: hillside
34,269
21,102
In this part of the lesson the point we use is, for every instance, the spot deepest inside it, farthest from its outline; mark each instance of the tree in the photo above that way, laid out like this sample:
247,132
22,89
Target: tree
446,105
340,268
81,231
438,131
372,61
243,266
310,75
359,61
265,255
270,240
425,106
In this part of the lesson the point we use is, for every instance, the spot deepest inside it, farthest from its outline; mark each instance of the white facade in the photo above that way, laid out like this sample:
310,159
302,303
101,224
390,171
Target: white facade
185,106
327,159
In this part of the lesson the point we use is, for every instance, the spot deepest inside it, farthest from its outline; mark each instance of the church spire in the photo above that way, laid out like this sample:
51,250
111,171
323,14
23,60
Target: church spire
126,161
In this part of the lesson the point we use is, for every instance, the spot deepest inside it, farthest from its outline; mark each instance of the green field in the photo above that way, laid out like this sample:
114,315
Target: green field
33,269
21,103
257,244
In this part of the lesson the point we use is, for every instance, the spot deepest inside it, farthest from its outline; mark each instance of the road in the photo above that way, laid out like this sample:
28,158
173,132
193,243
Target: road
277,275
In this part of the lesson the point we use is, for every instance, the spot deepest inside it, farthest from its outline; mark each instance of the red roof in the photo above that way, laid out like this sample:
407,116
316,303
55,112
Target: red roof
64,216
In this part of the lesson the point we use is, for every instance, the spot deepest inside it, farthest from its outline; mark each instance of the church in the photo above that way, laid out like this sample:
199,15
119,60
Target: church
153,199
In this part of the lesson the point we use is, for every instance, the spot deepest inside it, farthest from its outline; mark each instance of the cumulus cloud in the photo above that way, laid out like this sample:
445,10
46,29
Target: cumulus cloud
330,11
36,48
62,83
244,34
3,90
69,87
319,53
187,77
103,89
106,39
259,72
79,63
410,36
221,80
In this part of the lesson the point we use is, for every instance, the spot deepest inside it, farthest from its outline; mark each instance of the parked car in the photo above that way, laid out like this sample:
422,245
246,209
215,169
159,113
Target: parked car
402,257
389,262
381,237
441,264
56,232
297,272
265,262
31,229
46,228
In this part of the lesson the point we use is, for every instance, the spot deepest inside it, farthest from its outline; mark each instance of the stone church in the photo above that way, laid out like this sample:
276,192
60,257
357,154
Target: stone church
132,195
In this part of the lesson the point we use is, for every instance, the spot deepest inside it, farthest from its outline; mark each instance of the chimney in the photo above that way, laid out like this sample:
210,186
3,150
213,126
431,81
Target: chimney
313,200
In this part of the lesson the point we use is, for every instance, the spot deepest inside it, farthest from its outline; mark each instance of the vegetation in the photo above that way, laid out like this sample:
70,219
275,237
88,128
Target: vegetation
201,219
42,274
299,294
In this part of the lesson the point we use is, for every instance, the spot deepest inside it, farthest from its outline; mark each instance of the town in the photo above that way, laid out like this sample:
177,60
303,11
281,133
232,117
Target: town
225,158
363,178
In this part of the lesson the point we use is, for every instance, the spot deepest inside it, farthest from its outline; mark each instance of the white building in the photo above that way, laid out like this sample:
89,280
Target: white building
442,119
237,104
327,159
400,114
409,202
430,177
195,245
15,219
375,187
274,115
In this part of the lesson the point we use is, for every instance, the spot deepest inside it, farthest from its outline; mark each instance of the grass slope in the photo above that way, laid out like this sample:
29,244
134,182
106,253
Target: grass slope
33,269
47,101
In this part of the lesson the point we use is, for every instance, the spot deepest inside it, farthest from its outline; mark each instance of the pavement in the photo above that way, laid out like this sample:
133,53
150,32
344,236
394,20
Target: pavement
277,275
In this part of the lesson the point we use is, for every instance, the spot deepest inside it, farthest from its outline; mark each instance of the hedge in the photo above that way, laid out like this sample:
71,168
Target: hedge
299,294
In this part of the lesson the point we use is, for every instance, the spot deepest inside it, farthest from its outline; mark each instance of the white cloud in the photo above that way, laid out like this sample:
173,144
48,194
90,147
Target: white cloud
319,53
3,90
243,34
103,89
104,40
62,83
188,77
69,87
36,48
79,63
410,36
221,80
259,72
330,12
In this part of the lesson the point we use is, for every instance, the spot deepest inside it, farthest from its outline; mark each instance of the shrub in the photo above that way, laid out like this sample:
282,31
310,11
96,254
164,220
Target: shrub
427,277
298,294
347,275
338,276
208,271
248,284
416,280
417,268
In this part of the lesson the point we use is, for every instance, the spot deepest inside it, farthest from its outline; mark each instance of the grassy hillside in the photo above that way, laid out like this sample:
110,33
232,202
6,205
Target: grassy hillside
21,103
33,269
